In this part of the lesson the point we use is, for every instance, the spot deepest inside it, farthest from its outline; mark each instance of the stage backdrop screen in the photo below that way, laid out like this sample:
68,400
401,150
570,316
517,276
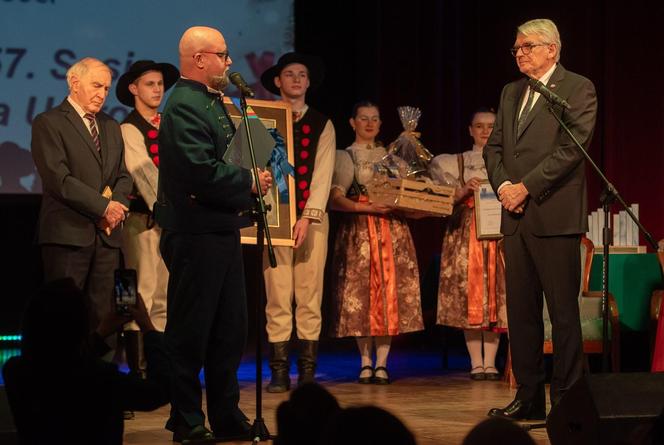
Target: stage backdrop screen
41,39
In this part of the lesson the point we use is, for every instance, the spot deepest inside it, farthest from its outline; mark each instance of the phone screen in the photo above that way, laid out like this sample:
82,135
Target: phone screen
126,288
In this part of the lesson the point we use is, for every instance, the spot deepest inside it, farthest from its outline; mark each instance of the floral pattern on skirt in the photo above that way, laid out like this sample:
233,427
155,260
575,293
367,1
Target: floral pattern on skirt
351,288
453,281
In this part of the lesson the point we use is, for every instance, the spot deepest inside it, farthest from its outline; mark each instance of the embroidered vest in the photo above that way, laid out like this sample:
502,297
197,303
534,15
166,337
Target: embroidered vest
150,134
306,133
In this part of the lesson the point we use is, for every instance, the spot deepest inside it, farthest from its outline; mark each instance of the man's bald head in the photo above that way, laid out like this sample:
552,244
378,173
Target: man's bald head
198,38
200,48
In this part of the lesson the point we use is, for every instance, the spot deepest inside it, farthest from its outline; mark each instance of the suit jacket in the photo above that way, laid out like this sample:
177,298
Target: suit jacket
543,156
198,192
74,175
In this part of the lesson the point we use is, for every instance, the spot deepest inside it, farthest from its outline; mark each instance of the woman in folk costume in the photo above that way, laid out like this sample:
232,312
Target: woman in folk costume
471,290
376,279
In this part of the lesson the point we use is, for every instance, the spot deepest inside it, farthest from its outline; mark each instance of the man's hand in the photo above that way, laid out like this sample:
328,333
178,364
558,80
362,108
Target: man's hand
115,213
300,231
513,197
520,208
265,180
104,225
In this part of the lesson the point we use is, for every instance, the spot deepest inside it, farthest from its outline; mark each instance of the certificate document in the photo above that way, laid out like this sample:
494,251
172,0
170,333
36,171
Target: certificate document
487,212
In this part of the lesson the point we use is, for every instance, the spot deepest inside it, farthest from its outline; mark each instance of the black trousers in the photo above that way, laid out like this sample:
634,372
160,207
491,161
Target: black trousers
206,325
537,267
91,268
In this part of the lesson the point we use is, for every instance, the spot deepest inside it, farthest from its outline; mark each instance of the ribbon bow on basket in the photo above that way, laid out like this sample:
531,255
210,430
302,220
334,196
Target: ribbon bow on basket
408,146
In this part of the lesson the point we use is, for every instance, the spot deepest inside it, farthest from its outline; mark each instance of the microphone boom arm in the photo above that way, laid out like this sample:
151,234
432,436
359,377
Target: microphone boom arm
549,95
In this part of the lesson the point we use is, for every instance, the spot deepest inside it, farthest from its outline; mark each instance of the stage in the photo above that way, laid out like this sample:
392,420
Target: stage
439,406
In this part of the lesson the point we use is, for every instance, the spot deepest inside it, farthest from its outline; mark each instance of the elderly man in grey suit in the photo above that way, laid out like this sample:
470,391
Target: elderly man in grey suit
78,151
540,177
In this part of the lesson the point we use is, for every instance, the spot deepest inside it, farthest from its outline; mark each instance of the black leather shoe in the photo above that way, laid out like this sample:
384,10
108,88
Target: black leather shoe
240,430
520,410
477,375
366,380
381,380
492,375
197,434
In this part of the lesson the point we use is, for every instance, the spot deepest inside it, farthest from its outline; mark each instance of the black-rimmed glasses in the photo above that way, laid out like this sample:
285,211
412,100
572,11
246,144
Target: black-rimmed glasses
526,48
224,55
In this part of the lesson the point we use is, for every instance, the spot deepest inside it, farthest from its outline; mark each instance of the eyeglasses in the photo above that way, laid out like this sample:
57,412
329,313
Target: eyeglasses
526,48
224,55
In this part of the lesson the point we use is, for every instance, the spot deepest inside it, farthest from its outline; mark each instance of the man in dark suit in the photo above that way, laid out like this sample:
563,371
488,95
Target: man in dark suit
540,177
198,201
78,151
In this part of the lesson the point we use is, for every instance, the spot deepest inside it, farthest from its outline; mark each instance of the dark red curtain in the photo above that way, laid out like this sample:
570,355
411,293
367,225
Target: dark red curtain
449,57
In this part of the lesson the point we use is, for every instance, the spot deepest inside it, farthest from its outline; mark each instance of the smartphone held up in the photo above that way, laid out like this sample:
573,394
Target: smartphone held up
126,290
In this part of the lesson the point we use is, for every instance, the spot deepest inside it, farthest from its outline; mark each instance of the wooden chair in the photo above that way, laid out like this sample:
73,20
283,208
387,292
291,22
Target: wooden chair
590,308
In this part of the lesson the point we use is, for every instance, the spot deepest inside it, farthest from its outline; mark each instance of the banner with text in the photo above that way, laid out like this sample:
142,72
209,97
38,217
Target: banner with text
41,39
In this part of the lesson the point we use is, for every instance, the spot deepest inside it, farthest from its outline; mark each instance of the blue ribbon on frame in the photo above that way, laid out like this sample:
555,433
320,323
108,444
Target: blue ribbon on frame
281,168
278,158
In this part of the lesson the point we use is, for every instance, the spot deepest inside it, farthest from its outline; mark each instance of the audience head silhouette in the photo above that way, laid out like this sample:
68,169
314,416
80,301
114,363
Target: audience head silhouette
496,431
367,425
302,418
57,314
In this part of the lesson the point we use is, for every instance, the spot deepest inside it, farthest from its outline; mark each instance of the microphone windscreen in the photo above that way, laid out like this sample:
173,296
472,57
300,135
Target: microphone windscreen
236,79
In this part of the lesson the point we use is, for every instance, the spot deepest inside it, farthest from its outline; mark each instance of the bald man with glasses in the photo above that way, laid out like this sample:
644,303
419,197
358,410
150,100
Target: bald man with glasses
198,201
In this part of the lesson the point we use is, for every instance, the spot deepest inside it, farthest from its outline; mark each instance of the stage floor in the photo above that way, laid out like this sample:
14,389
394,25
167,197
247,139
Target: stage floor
439,406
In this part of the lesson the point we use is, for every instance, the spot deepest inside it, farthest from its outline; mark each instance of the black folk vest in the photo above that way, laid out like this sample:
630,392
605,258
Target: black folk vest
150,135
306,133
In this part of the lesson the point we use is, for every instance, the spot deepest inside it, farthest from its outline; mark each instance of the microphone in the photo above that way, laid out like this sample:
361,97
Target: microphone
238,81
547,93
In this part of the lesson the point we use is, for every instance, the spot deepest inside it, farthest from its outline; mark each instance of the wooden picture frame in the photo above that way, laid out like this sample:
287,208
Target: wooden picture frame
488,212
282,216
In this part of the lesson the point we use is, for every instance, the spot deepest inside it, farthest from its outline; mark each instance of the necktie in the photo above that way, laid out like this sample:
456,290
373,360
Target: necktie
93,130
526,110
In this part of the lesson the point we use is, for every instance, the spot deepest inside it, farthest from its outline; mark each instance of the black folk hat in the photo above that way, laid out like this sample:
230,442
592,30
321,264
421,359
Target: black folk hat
136,70
313,64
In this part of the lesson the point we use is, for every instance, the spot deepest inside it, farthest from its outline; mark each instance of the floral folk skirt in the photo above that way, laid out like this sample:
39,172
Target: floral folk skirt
471,287
376,279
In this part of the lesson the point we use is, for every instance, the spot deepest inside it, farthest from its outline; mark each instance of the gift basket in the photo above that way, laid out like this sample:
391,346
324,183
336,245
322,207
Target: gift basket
401,179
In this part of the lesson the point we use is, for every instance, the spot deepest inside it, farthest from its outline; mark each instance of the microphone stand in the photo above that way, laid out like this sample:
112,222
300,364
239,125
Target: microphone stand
259,431
609,194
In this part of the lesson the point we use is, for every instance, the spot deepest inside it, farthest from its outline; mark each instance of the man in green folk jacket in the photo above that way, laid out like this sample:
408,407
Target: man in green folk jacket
198,202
